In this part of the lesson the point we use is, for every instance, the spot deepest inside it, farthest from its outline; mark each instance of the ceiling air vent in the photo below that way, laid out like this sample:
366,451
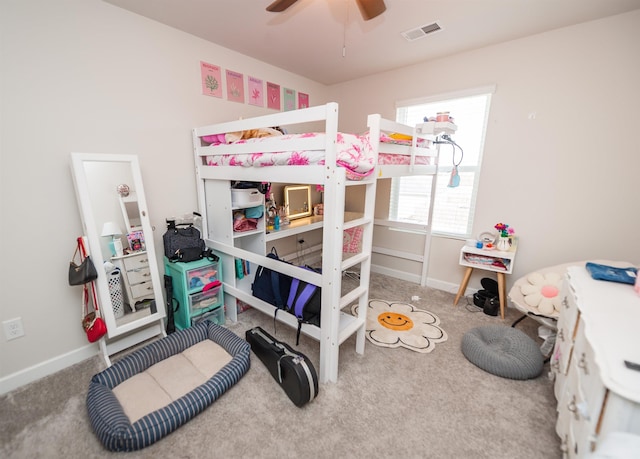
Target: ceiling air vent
422,31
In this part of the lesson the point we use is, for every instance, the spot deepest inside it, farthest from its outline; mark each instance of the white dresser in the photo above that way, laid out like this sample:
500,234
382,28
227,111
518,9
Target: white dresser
136,276
598,329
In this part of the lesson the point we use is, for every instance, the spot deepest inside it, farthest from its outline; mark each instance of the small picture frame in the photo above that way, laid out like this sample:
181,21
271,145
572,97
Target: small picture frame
136,241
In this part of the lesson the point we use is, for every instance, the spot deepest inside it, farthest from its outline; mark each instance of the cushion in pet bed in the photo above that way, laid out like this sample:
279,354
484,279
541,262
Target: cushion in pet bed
125,423
503,351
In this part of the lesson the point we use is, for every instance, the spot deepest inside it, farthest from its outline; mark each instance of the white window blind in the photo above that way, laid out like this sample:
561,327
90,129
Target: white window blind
454,207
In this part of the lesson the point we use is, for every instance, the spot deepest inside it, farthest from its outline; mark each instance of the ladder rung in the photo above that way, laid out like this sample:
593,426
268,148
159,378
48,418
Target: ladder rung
357,222
352,296
354,260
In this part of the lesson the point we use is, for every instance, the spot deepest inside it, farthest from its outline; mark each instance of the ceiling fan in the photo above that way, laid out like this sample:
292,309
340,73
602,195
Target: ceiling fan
368,8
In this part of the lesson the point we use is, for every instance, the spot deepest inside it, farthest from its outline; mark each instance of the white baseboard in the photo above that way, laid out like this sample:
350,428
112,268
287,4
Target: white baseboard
49,367
395,273
415,278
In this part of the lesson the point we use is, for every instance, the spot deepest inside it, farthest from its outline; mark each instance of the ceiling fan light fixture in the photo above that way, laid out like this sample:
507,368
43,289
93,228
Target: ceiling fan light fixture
371,8
368,8
280,5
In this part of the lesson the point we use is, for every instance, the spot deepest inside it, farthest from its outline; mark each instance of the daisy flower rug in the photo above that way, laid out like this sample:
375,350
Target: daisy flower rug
397,324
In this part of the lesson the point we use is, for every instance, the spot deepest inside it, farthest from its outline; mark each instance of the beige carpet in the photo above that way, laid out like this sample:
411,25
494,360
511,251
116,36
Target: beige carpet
388,403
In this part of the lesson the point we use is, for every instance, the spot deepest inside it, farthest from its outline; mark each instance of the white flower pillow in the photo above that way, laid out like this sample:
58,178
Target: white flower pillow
542,291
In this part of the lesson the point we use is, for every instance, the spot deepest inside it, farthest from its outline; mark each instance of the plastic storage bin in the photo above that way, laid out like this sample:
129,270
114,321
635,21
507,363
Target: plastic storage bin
249,197
216,316
201,276
199,302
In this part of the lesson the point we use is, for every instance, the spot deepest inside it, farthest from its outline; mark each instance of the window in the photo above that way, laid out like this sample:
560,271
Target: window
454,207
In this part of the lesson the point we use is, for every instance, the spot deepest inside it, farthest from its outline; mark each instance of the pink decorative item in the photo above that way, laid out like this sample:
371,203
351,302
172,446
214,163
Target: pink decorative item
637,285
352,240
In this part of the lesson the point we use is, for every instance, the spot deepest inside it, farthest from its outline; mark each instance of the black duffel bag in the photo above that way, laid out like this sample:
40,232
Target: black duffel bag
183,243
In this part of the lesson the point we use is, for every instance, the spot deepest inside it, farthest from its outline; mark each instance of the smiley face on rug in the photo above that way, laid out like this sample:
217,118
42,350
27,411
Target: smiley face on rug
395,321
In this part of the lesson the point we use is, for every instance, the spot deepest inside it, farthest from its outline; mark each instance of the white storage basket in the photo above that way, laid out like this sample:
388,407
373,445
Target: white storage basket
115,292
249,197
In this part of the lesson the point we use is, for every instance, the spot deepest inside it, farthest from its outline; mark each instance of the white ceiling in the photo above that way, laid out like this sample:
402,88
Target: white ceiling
308,39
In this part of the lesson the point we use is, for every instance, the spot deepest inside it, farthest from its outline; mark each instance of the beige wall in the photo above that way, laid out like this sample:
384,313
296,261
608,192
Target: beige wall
90,77
567,181
83,75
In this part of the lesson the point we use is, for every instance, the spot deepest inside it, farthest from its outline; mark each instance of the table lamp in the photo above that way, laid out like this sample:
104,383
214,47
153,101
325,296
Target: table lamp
112,229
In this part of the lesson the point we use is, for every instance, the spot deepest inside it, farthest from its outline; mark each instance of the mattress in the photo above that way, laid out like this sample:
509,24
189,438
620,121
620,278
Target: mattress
353,152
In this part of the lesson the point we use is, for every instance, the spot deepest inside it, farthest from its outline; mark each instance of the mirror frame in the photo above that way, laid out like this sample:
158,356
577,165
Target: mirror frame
132,198
92,234
287,201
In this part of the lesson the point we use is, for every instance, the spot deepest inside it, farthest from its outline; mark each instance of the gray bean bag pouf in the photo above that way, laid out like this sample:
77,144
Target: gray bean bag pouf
503,351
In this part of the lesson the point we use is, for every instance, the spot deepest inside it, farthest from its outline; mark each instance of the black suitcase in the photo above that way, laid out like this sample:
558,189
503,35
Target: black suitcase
292,370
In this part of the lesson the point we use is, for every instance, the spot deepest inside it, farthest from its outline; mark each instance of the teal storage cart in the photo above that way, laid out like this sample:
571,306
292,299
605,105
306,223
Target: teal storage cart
198,291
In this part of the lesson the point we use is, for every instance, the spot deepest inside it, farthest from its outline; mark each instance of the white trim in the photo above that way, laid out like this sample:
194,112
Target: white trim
419,228
49,367
489,89
398,254
415,278
448,287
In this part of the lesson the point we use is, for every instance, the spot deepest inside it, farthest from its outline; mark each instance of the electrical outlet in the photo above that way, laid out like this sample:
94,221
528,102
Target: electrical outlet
13,328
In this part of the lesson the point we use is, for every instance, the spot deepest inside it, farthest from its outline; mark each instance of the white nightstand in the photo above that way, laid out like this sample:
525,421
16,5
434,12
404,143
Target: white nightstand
495,261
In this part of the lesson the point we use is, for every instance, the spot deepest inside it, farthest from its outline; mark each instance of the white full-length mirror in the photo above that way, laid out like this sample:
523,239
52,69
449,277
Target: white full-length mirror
119,234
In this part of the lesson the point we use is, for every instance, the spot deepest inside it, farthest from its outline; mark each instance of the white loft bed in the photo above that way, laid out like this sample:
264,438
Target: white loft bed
214,197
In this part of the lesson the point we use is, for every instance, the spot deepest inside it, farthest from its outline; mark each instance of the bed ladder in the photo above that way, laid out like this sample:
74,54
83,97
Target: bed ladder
337,326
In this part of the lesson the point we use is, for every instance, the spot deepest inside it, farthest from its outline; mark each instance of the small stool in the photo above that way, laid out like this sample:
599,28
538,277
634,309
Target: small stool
503,351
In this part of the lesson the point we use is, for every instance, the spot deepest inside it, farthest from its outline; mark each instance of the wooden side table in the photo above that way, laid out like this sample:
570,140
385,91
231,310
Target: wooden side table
495,261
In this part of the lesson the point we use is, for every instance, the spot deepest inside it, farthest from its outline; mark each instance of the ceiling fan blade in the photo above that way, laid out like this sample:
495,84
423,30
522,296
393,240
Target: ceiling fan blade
371,8
280,5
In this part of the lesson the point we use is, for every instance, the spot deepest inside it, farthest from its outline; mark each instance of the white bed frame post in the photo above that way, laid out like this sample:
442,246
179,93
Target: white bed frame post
427,243
334,193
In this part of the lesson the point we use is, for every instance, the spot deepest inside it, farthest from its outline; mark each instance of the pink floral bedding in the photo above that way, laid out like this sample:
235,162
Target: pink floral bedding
354,152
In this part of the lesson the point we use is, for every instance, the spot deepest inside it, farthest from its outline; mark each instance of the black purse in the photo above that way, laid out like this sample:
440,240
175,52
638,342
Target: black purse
84,272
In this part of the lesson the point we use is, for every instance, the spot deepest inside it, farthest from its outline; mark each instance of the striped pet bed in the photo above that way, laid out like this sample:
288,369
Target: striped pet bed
119,429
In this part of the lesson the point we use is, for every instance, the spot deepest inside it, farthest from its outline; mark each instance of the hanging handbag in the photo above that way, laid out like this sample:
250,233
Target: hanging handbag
92,323
84,272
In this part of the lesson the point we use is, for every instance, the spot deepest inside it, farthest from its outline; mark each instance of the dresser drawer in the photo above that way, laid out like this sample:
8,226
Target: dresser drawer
216,316
199,277
566,331
136,262
199,302
139,275
591,391
143,290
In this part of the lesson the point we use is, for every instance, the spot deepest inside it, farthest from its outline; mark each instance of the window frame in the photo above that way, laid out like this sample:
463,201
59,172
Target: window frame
445,170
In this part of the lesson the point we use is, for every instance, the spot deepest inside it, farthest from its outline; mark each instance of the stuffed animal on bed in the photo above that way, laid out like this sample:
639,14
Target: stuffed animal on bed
251,134
231,137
